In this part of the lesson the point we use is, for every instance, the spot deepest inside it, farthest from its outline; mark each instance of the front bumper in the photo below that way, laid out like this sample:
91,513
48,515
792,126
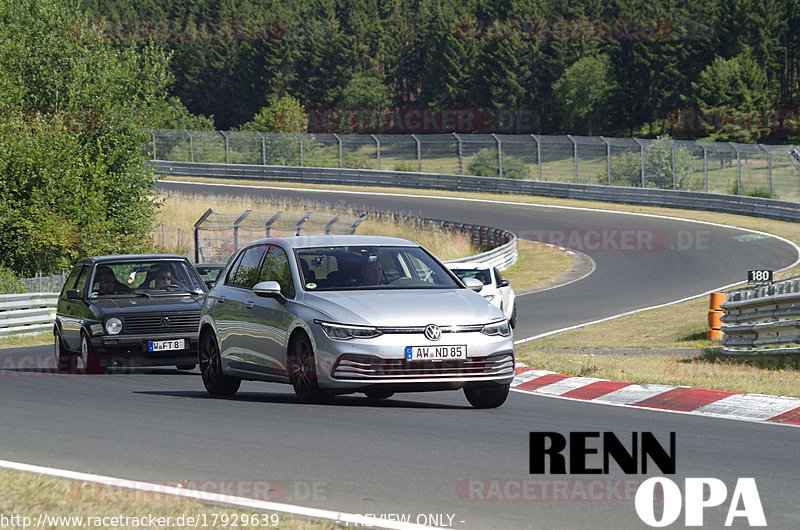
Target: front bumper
132,350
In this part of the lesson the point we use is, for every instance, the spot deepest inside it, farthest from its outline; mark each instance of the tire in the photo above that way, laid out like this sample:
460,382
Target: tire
215,381
378,394
89,362
303,371
486,397
512,321
65,361
185,366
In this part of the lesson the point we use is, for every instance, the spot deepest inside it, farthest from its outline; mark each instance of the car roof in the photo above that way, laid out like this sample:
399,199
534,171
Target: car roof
468,265
135,257
336,241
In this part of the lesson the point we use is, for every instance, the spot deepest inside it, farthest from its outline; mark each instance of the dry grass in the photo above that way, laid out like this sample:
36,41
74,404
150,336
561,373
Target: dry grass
181,211
536,265
30,495
701,371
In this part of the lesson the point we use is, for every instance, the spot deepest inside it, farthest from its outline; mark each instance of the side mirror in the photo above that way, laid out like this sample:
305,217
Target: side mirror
503,283
73,294
473,284
268,290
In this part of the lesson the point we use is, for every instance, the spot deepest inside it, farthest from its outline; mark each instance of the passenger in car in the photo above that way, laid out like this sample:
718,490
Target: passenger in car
371,273
108,283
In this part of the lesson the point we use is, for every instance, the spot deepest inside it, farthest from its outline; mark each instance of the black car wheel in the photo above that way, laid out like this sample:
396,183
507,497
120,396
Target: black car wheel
215,381
512,321
89,361
378,394
486,397
65,361
303,371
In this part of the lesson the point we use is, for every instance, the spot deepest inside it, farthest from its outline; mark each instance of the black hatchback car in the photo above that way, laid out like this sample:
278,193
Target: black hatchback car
130,310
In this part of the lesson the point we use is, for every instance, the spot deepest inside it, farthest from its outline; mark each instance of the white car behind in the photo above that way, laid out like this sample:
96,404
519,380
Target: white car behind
496,290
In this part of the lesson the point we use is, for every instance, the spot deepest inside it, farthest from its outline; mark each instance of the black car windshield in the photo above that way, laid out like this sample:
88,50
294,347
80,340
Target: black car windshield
478,274
148,277
370,267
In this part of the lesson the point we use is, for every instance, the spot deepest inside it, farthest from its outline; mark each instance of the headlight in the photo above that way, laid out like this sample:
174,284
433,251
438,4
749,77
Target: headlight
113,326
488,297
346,332
497,328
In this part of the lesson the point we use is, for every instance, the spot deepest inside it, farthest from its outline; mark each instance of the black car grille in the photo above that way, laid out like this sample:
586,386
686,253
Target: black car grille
183,322
367,367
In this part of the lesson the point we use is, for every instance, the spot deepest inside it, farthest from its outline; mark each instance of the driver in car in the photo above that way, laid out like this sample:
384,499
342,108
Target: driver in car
371,273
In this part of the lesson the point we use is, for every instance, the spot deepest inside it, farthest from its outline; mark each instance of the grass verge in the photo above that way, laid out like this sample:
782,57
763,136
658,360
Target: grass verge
29,496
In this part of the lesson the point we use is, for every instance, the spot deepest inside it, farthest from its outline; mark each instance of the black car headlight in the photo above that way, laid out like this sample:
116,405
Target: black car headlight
500,327
346,332
113,326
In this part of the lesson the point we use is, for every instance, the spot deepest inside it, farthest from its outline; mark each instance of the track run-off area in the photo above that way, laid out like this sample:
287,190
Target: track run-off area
422,453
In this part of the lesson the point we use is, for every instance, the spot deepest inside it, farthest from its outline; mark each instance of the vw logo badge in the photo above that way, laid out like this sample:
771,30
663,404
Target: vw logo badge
164,322
432,332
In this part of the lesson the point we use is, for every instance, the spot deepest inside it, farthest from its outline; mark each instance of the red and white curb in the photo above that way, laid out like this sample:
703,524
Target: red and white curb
701,401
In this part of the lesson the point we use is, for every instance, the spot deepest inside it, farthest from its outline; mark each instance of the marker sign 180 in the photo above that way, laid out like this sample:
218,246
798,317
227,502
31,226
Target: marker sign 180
759,277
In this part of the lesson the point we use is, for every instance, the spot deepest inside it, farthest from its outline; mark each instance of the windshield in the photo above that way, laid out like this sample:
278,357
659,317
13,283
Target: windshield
479,274
150,277
371,267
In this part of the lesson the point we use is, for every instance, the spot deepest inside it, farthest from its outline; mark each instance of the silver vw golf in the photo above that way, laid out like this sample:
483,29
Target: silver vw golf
343,314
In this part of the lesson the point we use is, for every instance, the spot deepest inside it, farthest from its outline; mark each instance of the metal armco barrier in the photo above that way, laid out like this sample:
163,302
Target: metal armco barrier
763,320
27,313
690,200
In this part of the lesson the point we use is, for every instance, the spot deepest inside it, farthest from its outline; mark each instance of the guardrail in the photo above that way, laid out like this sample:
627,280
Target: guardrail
762,320
690,200
27,313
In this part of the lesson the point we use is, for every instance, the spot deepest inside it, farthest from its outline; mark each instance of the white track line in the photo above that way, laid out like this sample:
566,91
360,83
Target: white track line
214,498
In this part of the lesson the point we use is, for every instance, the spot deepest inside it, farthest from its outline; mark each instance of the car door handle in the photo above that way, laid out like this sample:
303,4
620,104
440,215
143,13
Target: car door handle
249,304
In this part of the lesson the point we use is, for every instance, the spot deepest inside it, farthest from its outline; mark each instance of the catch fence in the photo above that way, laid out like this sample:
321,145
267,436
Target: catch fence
716,167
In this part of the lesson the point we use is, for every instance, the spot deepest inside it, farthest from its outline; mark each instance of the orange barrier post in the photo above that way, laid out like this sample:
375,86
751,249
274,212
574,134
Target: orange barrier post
714,316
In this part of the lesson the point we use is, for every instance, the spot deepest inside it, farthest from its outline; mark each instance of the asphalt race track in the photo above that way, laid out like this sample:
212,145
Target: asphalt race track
420,454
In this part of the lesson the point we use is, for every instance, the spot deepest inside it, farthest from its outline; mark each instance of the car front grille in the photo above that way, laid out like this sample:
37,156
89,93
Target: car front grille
183,322
367,367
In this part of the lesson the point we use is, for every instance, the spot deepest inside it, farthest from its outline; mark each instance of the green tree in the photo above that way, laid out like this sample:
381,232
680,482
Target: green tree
583,91
285,114
72,170
365,91
485,163
665,166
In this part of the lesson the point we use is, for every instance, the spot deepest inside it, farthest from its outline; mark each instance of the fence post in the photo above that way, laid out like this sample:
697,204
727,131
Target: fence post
191,145
153,137
377,149
263,149
608,158
538,155
674,174
641,150
419,153
769,165
460,155
738,170
197,236
341,158
268,225
236,229
499,155
227,148
301,148
574,155
705,162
